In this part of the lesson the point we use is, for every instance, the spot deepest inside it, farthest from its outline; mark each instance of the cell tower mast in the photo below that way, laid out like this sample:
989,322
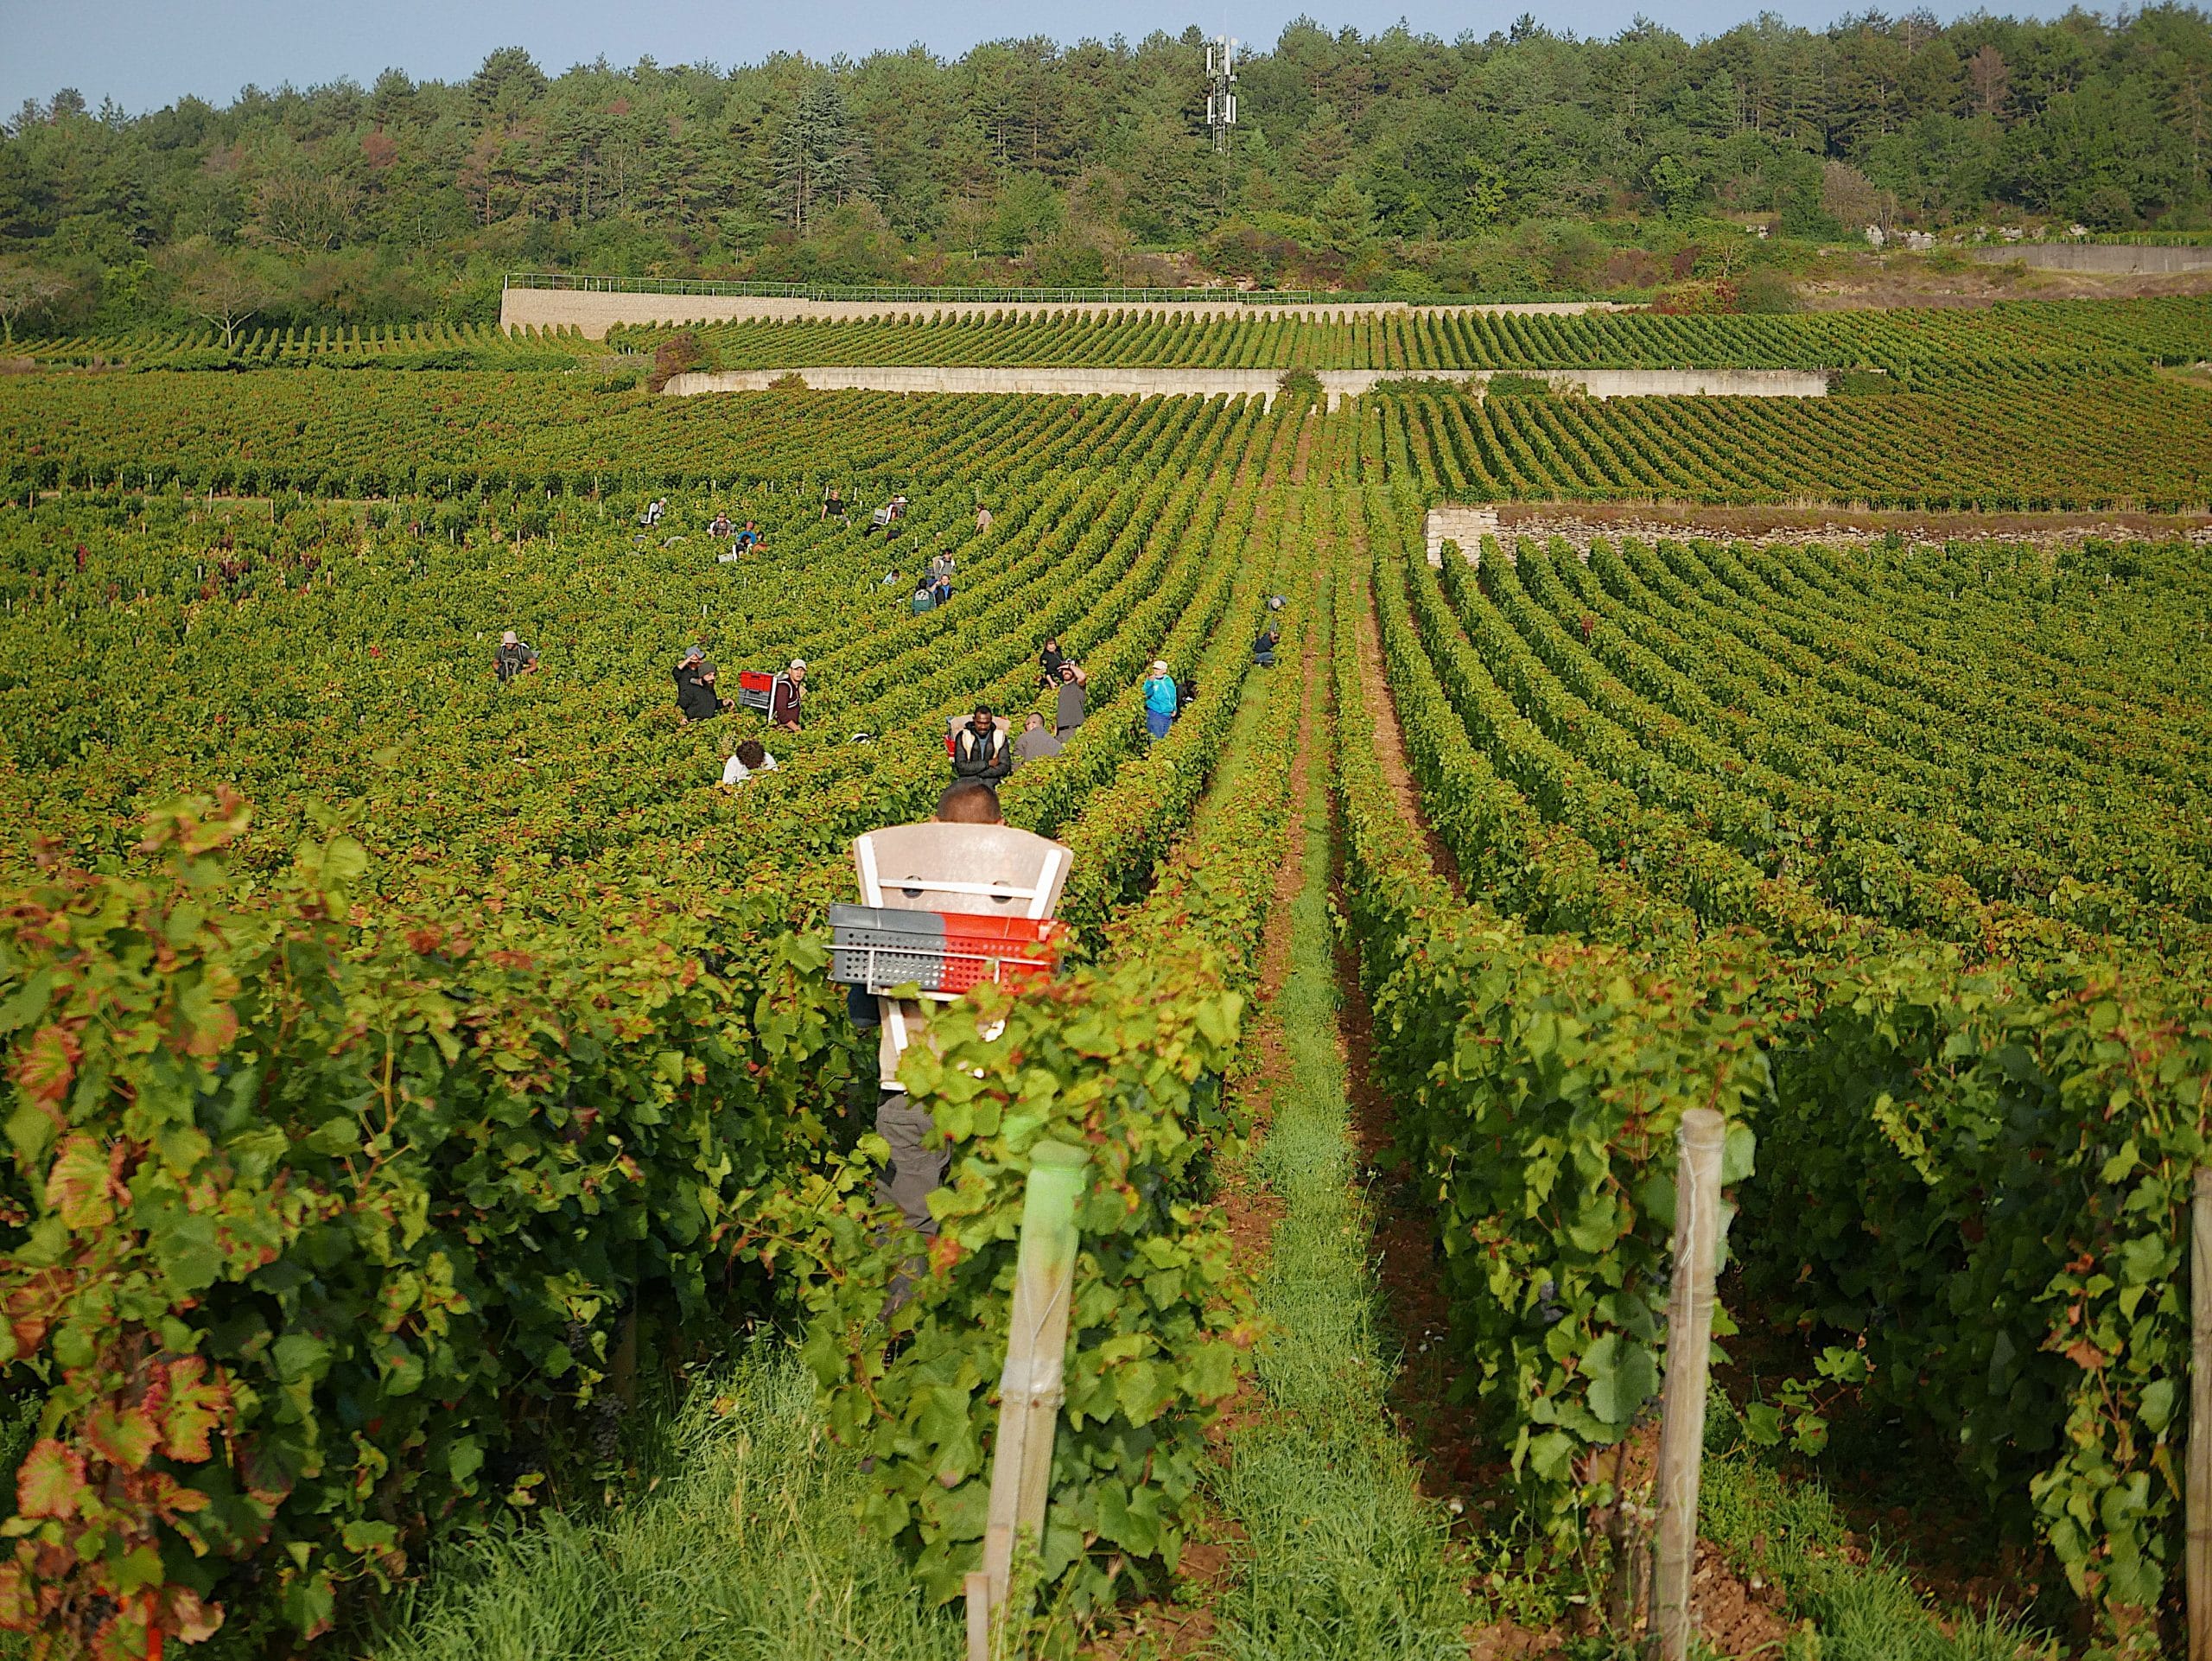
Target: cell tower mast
1220,88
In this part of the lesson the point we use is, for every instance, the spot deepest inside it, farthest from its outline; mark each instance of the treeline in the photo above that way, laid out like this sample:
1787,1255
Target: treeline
1523,161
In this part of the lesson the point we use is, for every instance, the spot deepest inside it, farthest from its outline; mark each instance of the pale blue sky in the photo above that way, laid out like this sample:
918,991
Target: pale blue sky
145,53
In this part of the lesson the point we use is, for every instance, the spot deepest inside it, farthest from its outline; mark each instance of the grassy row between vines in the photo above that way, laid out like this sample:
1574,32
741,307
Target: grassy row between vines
1342,1556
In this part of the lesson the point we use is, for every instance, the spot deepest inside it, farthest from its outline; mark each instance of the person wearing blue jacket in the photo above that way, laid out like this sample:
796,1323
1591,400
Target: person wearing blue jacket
1160,698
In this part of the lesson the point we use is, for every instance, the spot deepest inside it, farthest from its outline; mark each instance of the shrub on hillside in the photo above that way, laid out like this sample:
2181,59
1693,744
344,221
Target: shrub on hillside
1301,389
1517,386
1766,292
678,355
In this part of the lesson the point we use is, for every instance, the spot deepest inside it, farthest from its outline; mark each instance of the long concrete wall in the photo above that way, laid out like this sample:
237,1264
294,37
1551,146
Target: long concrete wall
2112,258
595,312
1338,384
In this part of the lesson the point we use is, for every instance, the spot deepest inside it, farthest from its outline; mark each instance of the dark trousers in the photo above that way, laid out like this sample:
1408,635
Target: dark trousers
915,1171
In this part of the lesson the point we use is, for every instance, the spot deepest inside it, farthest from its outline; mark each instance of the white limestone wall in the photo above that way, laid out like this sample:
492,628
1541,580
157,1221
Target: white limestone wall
1338,384
1466,525
593,313
2108,258
1044,379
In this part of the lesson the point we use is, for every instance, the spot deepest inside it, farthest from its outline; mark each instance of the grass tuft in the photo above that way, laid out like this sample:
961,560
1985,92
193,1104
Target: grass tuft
749,1549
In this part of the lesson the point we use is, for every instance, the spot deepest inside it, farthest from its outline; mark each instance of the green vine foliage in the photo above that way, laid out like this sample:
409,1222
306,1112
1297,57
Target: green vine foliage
1125,1062
1992,1184
1540,1084
1539,1081
1975,1156
309,1217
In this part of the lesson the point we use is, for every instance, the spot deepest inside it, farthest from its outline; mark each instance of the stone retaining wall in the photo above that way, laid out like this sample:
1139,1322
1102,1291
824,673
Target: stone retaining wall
595,312
1339,384
2112,259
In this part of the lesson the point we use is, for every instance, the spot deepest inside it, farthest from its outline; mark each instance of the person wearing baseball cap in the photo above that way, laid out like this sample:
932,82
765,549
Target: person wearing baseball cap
1160,699
786,694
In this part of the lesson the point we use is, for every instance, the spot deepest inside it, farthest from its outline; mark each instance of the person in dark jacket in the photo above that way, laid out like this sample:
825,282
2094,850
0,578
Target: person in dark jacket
1048,663
513,658
694,687
1263,648
980,750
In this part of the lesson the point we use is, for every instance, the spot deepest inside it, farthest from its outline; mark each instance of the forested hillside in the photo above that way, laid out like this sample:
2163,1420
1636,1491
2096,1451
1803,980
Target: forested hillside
1522,163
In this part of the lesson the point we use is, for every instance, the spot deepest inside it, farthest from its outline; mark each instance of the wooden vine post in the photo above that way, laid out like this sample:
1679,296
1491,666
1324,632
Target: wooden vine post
1689,1342
2197,1488
1030,1389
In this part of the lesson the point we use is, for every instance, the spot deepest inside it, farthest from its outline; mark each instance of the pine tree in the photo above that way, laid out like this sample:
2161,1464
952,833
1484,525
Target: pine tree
819,160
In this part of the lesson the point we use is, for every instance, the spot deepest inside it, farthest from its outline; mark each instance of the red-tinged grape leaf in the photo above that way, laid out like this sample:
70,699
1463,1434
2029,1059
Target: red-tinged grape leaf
18,1602
195,1408
51,1482
945,1252
49,1063
77,1187
192,1620
124,1435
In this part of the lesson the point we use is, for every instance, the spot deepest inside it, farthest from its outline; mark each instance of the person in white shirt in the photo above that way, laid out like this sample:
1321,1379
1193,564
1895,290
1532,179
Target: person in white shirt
746,759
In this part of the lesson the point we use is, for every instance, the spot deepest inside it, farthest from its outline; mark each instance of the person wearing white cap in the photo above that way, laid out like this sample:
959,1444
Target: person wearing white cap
786,694
513,658
1160,699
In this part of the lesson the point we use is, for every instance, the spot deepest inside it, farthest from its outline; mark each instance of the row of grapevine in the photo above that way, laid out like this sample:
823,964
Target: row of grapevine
2132,443
1971,1158
446,435
392,346
1914,347
1883,736
1836,841
1160,1319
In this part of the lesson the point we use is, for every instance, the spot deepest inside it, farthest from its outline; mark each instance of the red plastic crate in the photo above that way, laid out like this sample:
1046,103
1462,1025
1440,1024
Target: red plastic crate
942,952
998,948
756,689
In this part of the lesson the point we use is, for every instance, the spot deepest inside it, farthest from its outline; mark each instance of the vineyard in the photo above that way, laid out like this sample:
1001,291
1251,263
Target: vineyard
2024,443
1916,348
414,346
439,1205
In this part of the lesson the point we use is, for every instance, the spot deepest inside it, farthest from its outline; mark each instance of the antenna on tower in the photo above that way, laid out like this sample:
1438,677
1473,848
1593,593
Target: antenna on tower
1220,88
